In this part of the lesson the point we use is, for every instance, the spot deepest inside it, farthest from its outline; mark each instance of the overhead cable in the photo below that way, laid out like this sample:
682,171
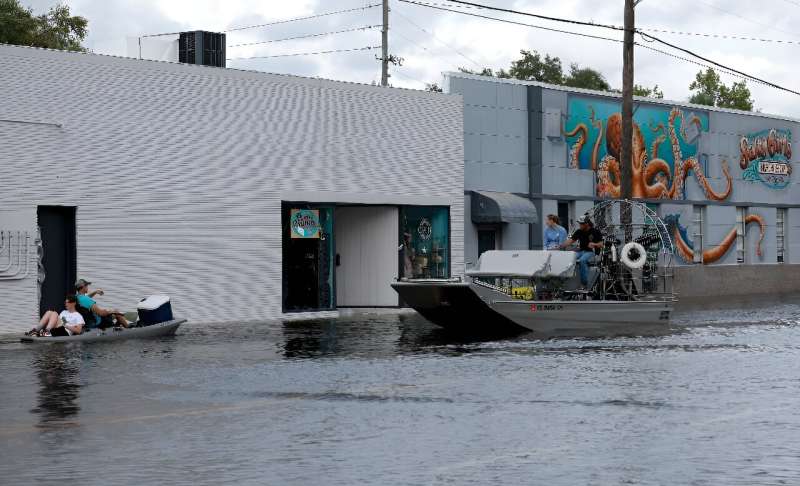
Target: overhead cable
715,63
366,48
591,36
645,36
307,36
325,14
286,21
438,39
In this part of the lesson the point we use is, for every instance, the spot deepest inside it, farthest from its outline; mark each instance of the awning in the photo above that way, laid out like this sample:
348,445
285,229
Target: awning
502,207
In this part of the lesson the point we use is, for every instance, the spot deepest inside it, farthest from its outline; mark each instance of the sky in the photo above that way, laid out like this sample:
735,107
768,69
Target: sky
432,42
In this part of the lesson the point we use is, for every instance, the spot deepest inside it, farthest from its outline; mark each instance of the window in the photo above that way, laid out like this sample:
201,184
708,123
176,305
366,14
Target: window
425,242
697,233
780,233
741,214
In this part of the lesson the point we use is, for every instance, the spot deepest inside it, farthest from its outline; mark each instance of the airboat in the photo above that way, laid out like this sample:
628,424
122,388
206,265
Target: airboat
510,291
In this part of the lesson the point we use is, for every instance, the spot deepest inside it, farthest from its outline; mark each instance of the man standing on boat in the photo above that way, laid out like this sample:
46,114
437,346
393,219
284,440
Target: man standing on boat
590,240
100,317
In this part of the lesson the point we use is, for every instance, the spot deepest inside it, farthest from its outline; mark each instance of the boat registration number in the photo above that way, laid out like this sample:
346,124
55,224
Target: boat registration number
546,307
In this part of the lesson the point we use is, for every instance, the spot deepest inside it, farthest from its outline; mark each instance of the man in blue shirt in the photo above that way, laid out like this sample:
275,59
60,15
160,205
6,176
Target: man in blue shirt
554,234
100,317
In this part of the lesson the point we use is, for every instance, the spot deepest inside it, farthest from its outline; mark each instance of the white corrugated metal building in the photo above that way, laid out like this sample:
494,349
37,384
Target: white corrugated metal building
243,195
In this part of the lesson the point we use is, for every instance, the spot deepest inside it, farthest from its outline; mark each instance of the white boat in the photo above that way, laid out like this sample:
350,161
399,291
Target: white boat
513,291
112,334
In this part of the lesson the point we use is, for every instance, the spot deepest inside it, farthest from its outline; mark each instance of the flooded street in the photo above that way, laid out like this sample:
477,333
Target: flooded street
394,400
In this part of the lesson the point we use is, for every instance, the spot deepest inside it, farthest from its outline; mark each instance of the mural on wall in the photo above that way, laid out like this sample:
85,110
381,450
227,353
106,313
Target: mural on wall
765,157
685,248
659,173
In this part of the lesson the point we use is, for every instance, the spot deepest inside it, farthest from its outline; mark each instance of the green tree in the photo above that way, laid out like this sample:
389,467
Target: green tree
709,90
586,78
56,29
433,87
654,92
483,72
532,67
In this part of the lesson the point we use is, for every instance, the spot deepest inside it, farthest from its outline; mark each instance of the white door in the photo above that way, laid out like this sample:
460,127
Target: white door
366,245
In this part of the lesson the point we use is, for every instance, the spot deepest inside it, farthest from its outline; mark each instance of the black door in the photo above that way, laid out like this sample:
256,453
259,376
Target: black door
57,227
486,240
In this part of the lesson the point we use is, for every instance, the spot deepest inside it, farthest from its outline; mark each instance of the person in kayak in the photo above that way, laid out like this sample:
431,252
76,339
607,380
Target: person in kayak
97,316
68,323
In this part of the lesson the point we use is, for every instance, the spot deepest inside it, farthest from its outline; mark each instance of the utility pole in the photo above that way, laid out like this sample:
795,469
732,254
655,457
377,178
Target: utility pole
627,102
385,45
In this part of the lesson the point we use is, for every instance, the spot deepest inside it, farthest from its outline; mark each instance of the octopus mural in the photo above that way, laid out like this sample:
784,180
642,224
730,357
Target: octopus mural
685,248
653,176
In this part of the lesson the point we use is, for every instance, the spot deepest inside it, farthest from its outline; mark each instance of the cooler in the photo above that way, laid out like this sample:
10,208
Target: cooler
154,309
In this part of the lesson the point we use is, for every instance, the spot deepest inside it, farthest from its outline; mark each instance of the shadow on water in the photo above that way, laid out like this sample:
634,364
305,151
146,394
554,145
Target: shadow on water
58,371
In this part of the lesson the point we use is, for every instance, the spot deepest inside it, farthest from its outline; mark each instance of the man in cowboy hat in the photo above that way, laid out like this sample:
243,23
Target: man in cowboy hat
99,317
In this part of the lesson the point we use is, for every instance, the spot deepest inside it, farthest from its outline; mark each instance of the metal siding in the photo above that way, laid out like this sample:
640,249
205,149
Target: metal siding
176,170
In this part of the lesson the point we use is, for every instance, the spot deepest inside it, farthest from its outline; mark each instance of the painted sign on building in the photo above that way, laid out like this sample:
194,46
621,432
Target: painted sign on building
765,157
665,148
304,223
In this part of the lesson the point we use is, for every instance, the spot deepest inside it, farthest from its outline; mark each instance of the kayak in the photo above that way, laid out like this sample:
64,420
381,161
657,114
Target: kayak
112,334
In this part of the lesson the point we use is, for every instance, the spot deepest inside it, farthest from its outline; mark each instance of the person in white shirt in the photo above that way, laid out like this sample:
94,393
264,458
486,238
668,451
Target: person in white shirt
67,323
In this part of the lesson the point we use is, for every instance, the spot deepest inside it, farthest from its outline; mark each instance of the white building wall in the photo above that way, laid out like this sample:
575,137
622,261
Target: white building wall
178,171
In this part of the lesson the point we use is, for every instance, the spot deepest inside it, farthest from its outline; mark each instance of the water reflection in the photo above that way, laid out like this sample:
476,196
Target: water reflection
57,369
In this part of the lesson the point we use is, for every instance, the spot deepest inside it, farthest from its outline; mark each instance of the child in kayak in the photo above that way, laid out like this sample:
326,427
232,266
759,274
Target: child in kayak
68,323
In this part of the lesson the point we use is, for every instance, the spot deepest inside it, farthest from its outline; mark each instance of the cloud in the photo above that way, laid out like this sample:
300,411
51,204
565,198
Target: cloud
432,41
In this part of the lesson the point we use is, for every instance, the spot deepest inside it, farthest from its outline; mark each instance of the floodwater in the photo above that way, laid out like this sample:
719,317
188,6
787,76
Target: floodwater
394,400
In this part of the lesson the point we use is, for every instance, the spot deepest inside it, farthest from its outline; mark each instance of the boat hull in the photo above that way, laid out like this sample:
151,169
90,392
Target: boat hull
478,309
112,334
454,306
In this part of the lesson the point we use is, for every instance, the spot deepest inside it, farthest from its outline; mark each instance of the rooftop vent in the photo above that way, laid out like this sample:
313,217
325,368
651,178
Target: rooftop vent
201,47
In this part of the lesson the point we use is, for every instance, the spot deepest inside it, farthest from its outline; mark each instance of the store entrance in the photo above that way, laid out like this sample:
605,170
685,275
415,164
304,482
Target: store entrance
307,258
59,262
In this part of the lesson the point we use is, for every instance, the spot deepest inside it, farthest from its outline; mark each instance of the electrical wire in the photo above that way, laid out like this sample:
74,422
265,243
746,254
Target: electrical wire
538,16
591,36
698,56
366,48
432,53
316,16
307,36
438,39
645,36
718,36
278,22
756,22
470,5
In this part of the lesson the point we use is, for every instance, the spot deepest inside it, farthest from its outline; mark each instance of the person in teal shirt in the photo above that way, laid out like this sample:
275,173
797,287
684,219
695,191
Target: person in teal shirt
554,234
100,317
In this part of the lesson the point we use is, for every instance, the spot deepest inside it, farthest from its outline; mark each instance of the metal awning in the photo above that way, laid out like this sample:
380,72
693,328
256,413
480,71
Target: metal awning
502,207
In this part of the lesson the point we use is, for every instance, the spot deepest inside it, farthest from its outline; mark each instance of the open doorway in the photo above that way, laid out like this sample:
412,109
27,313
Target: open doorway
59,260
307,257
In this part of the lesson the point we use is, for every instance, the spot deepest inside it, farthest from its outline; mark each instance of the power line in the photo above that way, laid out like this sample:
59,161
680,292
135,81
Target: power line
718,36
307,36
762,24
470,5
366,48
438,39
538,16
591,36
442,56
277,22
645,36
698,56
325,14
